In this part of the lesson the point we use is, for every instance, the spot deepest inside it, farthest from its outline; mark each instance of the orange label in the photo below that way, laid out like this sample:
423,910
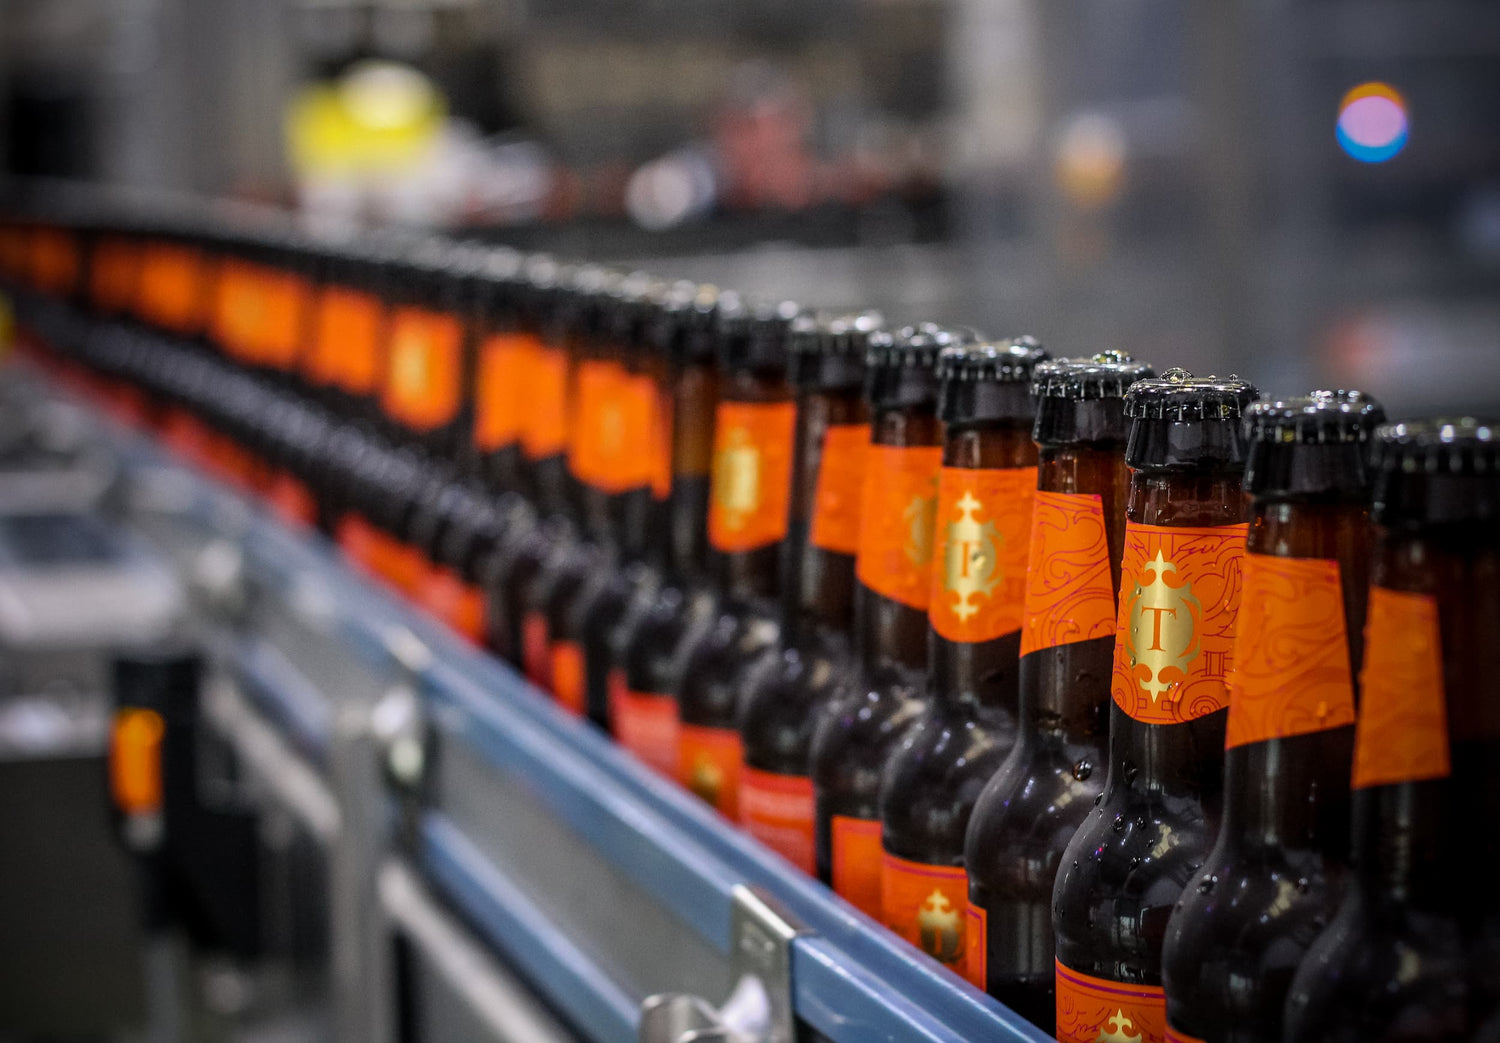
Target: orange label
502,381
1179,596
1092,1009
536,657
856,862
282,322
646,724
544,407
1402,733
346,341
1069,594
1291,671
983,530
841,478
927,905
292,501
568,676
778,810
611,444
661,445
897,512
751,485
356,540
135,760
424,386
977,944
1173,1036
170,288
710,766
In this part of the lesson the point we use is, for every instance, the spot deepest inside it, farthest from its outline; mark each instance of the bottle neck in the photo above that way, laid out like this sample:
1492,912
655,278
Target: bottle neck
1287,780
817,583
1419,838
750,484
985,494
891,626
545,423
694,397
1069,643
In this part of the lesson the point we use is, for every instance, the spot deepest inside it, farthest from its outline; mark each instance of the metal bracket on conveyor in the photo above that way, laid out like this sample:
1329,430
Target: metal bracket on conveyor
759,1010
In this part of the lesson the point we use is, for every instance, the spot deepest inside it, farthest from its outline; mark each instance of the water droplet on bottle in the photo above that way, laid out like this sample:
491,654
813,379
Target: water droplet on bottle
1304,885
1119,823
1098,799
1135,862
1206,885
1083,769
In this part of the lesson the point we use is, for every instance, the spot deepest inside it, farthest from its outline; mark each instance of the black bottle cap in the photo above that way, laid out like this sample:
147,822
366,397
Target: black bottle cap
1436,471
687,322
753,333
901,365
633,310
988,381
1183,421
1082,400
586,303
828,351
1312,445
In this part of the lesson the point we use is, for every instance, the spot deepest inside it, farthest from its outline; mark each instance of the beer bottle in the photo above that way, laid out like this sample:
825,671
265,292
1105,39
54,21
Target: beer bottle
1032,806
648,651
1407,957
500,385
1151,828
983,525
1276,872
630,465
749,495
857,729
785,688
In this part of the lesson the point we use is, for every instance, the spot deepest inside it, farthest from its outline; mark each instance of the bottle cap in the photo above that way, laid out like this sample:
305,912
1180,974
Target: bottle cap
1318,418
901,365
1183,421
1312,445
1081,400
828,351
1180,397
753,332
1436,471
988,380
687,320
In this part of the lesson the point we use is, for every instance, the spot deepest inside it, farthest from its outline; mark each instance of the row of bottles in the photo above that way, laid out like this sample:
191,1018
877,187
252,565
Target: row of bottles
1157,710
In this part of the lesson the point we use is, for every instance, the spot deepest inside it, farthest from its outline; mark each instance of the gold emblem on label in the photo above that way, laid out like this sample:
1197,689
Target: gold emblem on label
1118,1024
736,481
410,364
921,518
1163,632
971,559
938,927
706,779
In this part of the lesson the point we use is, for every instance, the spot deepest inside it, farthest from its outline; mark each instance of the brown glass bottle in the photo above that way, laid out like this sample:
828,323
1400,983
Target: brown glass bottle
1179,595
983,525
1276,872
856,730
750,491
647,650
1406,958
787,685
1030,809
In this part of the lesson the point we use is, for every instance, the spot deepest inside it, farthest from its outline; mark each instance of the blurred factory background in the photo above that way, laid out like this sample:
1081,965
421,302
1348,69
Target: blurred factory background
1306,193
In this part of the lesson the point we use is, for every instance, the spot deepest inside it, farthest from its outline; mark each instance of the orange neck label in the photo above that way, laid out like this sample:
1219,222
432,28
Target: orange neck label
710,766
283,320
424,389
897,513
983,530
856,862
1093,1010
841,477
1179,596
646,724
346,341
170,287
928,906
1291,672
568,676
778,810
544,407
751,485
1402,733
502,380
1070,596
611,446
135,760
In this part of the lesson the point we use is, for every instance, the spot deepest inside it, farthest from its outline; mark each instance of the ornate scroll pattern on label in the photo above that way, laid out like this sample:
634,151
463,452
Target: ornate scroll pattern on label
836,501
1402,733
983,530
1093,1010
856,862
778,810
752,474
1070,595
1291,672
1179,595
710,766
927,905
897,514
